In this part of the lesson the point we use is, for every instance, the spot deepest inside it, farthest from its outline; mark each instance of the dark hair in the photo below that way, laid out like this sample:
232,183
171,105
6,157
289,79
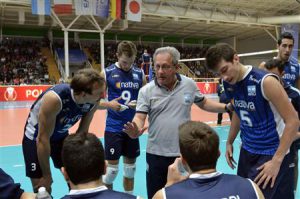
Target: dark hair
83,157
127,48
84,80
285,35
199,145
274,63
216,53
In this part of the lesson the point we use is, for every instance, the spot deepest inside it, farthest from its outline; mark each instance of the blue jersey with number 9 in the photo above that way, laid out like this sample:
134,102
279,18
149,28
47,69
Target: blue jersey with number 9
125,84
260,123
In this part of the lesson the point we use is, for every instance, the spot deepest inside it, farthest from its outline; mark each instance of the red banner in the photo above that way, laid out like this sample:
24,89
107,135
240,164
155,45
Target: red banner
207,87
21,93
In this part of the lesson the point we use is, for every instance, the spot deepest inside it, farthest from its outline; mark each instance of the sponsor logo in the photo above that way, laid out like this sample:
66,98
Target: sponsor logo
245,105
10,94
122,85
289,76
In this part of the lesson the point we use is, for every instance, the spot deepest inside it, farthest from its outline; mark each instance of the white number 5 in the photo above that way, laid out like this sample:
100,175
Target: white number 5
245,117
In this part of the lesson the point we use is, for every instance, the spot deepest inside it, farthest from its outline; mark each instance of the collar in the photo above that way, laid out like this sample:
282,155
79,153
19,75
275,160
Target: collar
118,66
205,176
85,191
177,81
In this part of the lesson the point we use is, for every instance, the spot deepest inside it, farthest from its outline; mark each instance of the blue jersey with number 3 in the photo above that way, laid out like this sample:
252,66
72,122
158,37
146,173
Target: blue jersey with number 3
125,84
260,123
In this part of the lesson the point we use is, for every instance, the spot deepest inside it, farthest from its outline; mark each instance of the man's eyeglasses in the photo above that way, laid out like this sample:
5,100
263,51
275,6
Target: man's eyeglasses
163,68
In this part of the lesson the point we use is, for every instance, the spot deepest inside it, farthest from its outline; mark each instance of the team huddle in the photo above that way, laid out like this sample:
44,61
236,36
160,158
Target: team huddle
181,154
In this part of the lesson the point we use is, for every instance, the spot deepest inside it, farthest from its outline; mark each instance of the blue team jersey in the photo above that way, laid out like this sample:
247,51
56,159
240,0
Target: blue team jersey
8,188
125,84
291,71
69,114
218,186
294,95
146,58
260,123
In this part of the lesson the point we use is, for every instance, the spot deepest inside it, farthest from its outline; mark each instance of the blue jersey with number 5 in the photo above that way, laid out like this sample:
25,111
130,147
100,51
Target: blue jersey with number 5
260,123
125,84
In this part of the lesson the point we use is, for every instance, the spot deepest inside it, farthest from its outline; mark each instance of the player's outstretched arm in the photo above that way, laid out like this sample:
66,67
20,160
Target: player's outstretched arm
275,93
233,132
50,107
212,106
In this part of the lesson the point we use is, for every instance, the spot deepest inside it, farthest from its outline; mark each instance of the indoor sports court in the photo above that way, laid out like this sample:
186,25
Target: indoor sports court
63,38
12,118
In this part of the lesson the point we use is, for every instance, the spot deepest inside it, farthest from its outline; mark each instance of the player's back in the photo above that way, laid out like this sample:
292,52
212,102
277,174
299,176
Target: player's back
217,186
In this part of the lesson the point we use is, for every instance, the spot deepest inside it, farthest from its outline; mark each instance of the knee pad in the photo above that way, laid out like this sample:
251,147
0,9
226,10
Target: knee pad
129,170
111,174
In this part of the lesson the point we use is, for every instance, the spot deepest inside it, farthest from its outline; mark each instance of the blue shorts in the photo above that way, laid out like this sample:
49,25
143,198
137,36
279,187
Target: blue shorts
33,169
120,144
284,184
157,172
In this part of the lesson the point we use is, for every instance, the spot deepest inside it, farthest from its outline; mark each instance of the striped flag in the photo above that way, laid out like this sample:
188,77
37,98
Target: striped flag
134,10
102,8
113,9
63,6
40,7
84,7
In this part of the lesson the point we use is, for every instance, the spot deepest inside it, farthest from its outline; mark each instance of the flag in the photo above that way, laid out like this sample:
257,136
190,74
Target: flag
118,9
134,10
84,7
123,7
102,8
40,7
113,9
63,6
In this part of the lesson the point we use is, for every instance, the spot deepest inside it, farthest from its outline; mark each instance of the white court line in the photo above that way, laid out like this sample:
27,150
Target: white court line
18,165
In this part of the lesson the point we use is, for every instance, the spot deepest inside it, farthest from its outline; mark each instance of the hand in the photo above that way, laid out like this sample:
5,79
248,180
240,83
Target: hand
229,108
132,130
114,104
269,171
174,174
132,104
46,181
229,156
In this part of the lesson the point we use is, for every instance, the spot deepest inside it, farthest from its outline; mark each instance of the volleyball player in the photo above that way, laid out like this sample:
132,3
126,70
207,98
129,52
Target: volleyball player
199,149
54,112
266,118
124,81
285,46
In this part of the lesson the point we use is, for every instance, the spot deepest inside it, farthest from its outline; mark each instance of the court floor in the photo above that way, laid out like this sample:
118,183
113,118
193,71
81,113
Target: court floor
12,122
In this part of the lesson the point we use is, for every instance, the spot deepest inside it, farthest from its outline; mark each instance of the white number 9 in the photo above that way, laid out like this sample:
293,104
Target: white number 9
126,95
112,151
